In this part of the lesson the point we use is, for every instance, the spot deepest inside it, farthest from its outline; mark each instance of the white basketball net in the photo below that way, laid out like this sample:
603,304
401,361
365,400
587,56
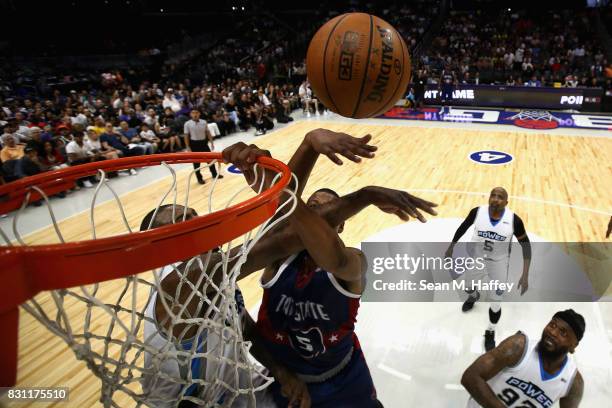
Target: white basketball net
534,115
140,359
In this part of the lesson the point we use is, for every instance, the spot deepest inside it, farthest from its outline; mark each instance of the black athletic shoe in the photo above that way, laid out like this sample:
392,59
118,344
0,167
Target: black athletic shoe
469,303
201,181
489,342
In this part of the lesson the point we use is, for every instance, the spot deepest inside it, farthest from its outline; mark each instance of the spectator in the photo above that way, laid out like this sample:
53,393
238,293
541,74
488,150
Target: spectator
78,152
113,140
51,157
534,81
12,130
11,150
570,82
135,139
171,102
307,99
98,126
151,119
95,146
170,141
35,141
28,164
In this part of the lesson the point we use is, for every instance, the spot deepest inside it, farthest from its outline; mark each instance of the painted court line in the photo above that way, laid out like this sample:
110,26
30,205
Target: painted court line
394,372
521,198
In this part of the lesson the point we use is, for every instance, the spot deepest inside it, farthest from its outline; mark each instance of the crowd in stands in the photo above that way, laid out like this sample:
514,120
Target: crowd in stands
251,79
522,48
256,76
78,127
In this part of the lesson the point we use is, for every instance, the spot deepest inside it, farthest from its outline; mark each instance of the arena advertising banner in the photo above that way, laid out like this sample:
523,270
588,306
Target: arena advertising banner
582,99
526,118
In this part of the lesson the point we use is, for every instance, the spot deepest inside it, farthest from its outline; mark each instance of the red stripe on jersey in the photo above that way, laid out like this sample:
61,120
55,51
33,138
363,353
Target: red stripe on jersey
346,328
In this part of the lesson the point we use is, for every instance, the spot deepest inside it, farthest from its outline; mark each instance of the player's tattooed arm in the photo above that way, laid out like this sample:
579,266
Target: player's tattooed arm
474,379
574,396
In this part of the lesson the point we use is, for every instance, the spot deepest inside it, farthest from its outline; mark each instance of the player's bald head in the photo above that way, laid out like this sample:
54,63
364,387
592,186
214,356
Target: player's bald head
501,191
166,214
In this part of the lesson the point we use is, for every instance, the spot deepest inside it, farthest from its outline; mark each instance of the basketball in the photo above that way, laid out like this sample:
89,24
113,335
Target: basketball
358,65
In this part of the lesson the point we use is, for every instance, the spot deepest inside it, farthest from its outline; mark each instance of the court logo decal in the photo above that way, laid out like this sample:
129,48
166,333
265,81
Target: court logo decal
535,119
491,157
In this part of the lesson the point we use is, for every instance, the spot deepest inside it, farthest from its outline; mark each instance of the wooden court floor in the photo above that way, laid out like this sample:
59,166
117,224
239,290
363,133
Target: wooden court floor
559,185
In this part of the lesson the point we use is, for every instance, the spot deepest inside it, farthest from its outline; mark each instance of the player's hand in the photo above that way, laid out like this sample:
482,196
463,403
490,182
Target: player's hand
523,283
244,157
294,389
331,144
609,231
400,203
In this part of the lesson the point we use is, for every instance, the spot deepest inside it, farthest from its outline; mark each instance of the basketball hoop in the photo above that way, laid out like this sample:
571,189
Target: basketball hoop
87,265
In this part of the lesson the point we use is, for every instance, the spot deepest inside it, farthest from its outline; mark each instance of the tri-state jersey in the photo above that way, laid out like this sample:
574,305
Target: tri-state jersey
528,385
307,318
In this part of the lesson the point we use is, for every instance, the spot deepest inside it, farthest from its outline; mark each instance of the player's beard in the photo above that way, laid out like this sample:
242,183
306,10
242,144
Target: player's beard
556,353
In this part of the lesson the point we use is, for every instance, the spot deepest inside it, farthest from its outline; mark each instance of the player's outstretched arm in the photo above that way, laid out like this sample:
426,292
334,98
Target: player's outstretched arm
283,241
469,220
475,378
398,202
330,144
292,388
574,396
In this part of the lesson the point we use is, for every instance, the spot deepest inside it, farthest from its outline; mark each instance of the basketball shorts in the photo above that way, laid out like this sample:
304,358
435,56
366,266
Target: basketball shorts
350,388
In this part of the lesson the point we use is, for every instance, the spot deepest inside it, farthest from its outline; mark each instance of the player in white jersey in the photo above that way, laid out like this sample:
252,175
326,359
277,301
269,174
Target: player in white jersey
524,373
494,227
164,393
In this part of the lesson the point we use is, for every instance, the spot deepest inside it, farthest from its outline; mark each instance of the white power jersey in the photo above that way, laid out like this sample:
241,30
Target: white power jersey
495,238
162,393
527,385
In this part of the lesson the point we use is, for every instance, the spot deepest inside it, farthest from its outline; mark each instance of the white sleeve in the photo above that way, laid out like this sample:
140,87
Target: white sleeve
71,148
